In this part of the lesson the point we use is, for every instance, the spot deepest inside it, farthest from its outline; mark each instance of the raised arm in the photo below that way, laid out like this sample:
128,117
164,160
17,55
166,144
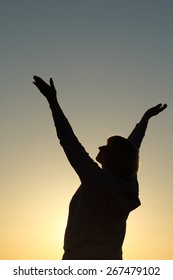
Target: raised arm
84,166
138,132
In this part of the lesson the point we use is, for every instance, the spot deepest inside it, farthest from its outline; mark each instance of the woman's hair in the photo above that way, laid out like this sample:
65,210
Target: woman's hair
124,157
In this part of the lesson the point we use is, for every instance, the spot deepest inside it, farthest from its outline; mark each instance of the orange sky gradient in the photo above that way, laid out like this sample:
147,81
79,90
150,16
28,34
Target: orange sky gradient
110,60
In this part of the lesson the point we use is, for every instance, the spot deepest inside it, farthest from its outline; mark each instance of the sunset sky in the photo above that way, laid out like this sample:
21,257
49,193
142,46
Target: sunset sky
110,60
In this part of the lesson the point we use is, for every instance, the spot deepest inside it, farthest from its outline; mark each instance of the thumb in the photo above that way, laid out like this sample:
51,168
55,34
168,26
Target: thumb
52,84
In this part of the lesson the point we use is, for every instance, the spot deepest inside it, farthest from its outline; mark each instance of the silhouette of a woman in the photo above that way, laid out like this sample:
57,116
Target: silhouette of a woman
100,207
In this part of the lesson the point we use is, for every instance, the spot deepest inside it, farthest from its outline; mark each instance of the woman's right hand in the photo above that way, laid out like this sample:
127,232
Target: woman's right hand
48,90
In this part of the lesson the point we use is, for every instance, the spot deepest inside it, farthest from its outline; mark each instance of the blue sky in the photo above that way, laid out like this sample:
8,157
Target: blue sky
110,60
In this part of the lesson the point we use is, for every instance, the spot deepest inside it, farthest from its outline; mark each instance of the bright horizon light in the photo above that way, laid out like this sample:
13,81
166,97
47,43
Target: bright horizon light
110,61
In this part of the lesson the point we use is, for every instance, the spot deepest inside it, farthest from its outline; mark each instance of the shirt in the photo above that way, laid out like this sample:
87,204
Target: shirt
100,207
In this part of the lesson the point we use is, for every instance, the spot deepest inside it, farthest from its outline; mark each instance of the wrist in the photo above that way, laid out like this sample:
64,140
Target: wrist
145,119
53,102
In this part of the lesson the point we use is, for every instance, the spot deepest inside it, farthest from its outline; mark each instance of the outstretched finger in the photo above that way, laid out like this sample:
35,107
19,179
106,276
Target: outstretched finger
36,78
52,84
163,107
158,105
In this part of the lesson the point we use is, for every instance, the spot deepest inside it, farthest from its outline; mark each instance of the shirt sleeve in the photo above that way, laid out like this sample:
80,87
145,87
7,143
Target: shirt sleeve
137,134
80,160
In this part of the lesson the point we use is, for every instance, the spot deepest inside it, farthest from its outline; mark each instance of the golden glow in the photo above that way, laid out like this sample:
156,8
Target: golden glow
110,62
36,230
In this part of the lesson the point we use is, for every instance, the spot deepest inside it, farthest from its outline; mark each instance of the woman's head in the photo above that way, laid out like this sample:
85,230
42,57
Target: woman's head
120,156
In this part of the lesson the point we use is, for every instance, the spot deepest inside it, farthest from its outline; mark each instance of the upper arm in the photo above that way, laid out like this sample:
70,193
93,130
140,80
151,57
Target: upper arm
80,160
86,168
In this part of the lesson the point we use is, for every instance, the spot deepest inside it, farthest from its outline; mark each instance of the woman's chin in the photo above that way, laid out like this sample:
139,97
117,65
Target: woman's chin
98,158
